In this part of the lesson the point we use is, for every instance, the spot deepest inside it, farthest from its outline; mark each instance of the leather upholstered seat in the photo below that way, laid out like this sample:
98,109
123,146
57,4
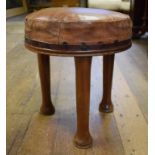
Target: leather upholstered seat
77,25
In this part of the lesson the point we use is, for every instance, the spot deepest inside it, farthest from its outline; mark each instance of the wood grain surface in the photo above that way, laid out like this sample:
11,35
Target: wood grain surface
120,133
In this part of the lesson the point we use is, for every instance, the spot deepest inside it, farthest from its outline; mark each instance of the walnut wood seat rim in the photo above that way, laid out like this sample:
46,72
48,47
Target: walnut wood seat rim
110,49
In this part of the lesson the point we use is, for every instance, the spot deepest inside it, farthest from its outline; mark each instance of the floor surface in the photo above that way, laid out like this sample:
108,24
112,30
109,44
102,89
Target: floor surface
123,132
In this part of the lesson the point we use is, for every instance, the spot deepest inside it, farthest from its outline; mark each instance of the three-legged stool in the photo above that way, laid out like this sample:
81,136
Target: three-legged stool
80,33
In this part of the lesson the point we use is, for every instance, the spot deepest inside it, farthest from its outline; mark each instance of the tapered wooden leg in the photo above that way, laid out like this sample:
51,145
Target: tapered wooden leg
82,137
106,103
47,107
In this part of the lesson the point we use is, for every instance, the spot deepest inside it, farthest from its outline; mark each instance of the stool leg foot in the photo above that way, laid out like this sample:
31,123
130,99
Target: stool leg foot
106,103
82,137
47,107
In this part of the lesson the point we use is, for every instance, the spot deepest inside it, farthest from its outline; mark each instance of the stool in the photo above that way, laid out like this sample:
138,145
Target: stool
80,33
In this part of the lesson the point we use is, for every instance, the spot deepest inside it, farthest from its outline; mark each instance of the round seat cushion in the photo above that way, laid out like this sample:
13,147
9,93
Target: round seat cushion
77,26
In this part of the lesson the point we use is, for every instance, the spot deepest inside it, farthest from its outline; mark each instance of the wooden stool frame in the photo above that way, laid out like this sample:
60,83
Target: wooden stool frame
83,60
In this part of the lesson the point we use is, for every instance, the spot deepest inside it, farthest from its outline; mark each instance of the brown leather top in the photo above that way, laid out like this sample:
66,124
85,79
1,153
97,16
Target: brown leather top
76,26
